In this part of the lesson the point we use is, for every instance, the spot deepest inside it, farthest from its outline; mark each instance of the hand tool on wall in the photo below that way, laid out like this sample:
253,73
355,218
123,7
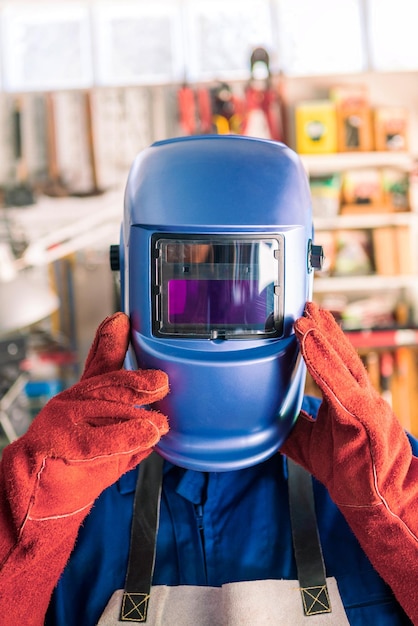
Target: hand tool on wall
263,106
95,190
205,110
19,192
405,379
54,185
226,109
372,362
386,374
187,109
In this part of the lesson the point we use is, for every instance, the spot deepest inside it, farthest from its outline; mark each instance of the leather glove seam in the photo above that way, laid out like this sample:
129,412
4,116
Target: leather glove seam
388,509
59,516
382,499
39,473
91,385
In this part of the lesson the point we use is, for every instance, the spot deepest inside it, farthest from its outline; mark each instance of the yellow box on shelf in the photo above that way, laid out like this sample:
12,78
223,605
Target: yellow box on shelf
316,127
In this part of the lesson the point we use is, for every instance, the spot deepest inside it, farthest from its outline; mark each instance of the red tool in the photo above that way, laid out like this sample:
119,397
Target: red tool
264,114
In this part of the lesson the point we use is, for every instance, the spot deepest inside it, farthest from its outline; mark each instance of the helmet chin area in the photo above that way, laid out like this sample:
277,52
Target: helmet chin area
234,447
229,407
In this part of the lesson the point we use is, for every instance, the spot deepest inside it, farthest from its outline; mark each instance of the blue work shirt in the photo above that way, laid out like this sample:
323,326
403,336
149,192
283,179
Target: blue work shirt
216,528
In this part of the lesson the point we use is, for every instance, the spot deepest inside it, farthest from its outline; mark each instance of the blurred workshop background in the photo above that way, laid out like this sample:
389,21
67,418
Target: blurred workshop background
85,85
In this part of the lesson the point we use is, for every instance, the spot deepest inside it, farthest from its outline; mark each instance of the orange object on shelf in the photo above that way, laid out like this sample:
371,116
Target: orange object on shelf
391,128
354,127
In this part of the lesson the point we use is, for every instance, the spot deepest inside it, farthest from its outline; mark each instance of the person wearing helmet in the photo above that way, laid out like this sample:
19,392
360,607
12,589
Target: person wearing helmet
249,503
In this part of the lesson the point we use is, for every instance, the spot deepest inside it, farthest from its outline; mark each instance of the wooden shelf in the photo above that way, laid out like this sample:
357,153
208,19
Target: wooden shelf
373,282
383,338
321,164
366,220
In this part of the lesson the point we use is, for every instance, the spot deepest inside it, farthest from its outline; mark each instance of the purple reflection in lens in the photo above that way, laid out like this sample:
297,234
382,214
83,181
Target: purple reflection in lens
217,302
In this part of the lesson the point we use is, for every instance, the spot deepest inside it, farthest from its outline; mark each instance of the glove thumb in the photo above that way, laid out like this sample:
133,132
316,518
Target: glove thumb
109,347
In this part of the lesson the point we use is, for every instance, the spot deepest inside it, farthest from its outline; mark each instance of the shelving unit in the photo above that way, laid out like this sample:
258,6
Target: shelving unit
367,220
354,286
372,282
320,164
397,346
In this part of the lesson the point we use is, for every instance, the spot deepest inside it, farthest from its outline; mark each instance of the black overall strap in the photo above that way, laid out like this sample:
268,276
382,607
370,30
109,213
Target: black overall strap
307,547
306,543
143,540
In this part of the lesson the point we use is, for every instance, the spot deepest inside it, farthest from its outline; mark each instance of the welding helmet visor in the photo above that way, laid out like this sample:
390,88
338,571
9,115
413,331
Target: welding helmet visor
218,287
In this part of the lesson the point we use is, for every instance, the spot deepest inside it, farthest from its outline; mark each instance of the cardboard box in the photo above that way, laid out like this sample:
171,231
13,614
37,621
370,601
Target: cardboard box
396,188
316,127
391,128
384,251
392,251
325,194
353,256
363,190
326,239
354,124
403,245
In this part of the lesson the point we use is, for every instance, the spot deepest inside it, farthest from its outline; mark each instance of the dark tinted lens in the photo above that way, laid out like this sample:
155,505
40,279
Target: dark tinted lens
219,302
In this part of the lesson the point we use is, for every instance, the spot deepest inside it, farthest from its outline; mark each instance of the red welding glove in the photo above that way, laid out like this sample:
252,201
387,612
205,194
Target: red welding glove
358,449
81,442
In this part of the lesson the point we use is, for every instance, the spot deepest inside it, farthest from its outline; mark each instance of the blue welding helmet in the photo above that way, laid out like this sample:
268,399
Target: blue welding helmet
216,263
